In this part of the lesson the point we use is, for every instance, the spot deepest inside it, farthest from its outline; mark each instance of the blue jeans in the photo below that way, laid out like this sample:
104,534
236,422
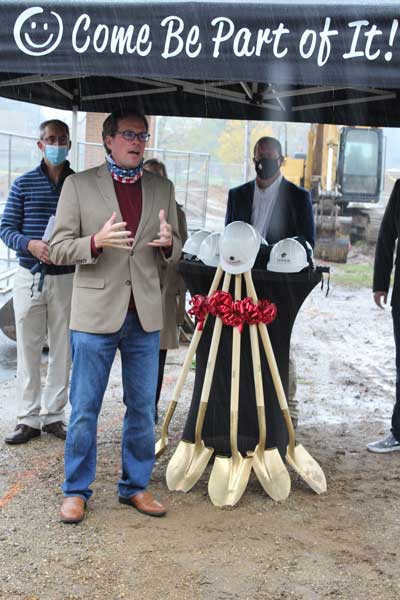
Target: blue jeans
92,356
396,409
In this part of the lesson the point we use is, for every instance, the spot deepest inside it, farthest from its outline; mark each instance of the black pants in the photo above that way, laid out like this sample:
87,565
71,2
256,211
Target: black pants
396,410
161,364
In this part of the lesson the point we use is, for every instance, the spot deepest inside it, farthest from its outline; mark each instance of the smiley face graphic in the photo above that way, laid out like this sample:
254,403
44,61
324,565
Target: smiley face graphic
39,40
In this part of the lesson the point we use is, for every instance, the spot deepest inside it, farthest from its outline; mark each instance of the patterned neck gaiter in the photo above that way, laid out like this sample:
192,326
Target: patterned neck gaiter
124,175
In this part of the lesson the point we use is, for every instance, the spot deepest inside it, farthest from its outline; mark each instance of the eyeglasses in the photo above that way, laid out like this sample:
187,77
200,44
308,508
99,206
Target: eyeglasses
53,139
130,136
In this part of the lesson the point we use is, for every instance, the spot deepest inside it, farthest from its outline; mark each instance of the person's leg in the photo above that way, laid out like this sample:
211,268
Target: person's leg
391,443
30,321
55,393
92,357
139,356
396,410
161,366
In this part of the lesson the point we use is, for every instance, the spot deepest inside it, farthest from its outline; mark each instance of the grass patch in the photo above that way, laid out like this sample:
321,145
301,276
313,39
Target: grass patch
352,276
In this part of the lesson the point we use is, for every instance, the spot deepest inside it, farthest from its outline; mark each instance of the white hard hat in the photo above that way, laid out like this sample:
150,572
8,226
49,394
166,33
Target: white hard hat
262,241
192,244
209,250
238,247
288,256
308,248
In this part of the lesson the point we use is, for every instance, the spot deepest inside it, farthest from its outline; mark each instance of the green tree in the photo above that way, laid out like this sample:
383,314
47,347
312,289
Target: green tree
189,134
231,142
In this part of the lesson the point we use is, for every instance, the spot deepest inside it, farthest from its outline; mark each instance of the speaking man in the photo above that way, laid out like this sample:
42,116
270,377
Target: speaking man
116,222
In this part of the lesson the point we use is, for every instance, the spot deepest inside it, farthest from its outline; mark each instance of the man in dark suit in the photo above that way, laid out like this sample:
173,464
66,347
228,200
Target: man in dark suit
384,254
276,207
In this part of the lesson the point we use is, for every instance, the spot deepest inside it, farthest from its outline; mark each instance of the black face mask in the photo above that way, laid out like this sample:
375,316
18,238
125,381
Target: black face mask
267,167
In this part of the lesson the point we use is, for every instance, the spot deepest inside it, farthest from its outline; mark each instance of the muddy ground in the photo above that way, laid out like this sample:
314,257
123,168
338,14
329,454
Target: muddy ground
343,544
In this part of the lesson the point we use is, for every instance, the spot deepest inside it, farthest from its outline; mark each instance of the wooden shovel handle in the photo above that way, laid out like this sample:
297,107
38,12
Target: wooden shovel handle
212,357
273,367
187,363
235,376
258,383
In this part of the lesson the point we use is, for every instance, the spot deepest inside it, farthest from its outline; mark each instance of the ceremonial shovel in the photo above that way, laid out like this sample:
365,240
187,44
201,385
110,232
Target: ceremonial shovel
189,460
163,441
229,476
267,464
296,455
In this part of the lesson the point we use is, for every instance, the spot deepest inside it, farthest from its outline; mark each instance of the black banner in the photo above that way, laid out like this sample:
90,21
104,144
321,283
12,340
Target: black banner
293,43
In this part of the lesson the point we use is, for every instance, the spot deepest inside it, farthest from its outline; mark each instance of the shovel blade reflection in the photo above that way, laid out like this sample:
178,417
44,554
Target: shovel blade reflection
272,473
228,481
161,446
307,467
187,466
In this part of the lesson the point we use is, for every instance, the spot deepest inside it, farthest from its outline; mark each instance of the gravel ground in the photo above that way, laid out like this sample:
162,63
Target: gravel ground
342,544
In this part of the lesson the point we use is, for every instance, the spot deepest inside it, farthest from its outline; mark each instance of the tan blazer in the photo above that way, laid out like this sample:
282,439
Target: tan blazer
173,294
103,285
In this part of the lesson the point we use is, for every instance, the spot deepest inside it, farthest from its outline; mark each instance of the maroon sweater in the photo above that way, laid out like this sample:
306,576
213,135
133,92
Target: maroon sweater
129,197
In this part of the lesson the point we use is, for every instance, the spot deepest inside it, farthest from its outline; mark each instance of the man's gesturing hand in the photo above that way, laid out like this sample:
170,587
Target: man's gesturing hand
113,235
164,239
40,250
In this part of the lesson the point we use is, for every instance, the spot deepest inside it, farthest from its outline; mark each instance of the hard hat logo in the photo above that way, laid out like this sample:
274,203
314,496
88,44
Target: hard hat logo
238,245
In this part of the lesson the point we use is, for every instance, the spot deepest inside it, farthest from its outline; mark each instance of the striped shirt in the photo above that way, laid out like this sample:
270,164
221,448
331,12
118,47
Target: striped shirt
32,200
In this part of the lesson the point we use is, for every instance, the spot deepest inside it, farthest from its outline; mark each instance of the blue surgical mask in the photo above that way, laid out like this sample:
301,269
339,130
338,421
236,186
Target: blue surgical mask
56,154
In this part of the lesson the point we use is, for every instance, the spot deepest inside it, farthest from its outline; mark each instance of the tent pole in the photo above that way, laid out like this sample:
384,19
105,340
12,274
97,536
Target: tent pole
246,150
74,139
155,132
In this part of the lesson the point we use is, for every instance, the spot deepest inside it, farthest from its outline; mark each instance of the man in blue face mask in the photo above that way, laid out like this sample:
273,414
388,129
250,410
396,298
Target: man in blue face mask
276,207
41,303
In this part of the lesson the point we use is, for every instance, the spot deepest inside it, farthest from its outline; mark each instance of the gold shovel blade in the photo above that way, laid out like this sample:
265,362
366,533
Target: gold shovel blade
161,446
307,467
272,473
187,465
228,481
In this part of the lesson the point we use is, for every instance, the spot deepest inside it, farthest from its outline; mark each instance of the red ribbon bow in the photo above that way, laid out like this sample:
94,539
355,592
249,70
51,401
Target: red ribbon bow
232,313
268,311
219,303
199,309
251,312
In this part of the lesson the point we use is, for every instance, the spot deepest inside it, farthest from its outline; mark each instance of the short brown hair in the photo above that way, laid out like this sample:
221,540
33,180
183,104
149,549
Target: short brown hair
55,123
110,125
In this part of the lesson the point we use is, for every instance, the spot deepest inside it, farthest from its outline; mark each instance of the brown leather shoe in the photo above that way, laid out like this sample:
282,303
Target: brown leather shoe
57,428
145,503
72,509
22,434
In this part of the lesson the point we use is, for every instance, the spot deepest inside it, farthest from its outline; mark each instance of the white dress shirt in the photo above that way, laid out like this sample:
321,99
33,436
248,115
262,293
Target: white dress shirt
263,205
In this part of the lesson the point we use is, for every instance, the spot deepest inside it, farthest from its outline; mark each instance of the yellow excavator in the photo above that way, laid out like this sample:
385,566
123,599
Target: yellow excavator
344,170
